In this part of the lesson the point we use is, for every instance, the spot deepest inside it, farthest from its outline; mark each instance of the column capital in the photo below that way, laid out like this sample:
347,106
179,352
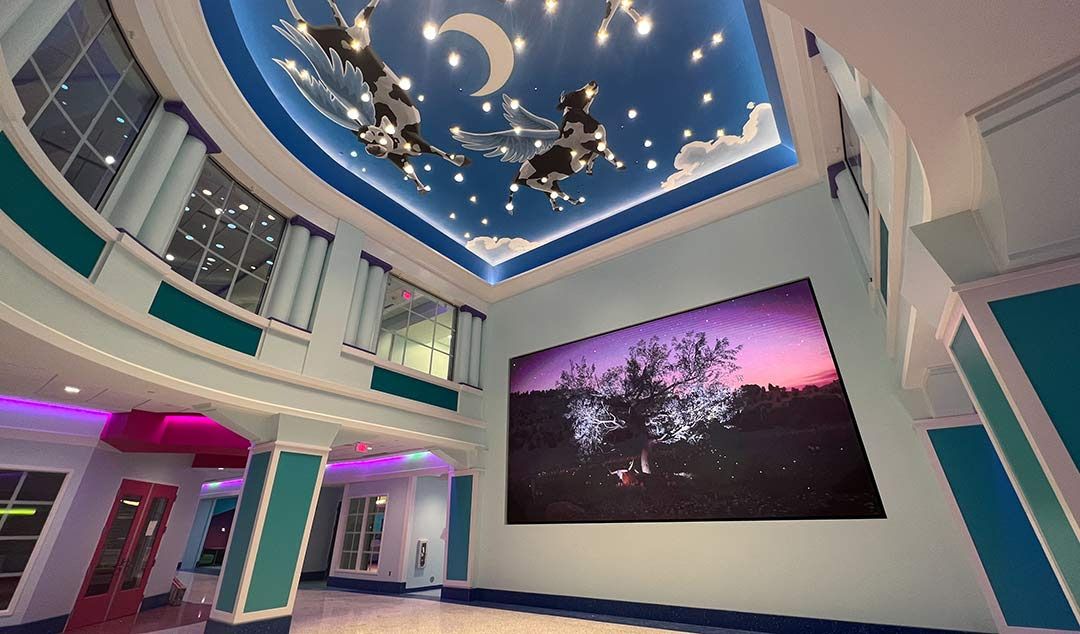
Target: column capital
195,129
465,308
374,261
313,228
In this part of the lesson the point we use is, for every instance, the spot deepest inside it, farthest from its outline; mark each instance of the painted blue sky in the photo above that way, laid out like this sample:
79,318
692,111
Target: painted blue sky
656,75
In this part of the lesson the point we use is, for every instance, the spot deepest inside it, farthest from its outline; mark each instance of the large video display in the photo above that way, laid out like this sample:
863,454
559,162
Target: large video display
732,411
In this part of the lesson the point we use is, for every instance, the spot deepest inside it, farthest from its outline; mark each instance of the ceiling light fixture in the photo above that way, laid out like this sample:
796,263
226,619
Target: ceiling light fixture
71,389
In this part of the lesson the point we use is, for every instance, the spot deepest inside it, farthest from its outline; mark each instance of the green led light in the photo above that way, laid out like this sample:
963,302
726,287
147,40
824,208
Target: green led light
18,511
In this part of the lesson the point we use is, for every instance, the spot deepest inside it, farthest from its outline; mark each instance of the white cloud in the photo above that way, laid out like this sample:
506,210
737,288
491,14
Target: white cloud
701,158
497,250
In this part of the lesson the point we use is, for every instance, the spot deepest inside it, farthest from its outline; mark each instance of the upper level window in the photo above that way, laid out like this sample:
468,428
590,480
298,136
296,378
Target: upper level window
26,499
227,239
417,329
86,99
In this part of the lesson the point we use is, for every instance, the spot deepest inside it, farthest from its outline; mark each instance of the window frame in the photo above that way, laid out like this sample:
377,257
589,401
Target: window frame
83,135
451,353
60,508
340,551
249,236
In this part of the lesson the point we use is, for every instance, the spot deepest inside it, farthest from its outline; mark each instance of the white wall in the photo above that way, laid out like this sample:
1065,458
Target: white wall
427,521
391,558
907,569
322,529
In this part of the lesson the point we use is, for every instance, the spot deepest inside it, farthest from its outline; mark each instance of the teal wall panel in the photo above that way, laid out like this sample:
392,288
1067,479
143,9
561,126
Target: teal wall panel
1044,331
1021,577
457,542
283,531
184,311
1025,466
30,204
384,380
243,525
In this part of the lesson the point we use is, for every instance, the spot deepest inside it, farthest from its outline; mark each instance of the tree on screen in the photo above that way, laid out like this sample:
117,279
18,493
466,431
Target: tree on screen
661,393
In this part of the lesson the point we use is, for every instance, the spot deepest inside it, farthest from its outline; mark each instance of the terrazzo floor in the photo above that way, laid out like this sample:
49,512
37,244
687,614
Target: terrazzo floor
321,611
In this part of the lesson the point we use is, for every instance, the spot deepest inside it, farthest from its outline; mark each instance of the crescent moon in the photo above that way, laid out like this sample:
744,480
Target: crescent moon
493,38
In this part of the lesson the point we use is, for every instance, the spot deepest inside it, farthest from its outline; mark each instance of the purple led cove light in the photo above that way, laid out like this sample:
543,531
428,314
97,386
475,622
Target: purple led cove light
404,458
213,486
39,407
417,457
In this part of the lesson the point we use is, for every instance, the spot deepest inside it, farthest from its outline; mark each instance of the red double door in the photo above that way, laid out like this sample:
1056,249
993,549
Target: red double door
125,555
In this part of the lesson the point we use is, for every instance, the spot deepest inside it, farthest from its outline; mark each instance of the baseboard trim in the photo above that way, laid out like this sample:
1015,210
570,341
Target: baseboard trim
423,589
366,585
597,609
53,625
155,601
279,625
314,575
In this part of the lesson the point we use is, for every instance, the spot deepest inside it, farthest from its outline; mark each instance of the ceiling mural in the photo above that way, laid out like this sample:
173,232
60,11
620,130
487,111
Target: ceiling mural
509,133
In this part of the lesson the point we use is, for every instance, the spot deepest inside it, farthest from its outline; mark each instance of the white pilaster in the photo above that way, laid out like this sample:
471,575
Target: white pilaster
290,263
9,13
164,215
149,174
371,311
29,29
303,303
462,339
357,304
474,351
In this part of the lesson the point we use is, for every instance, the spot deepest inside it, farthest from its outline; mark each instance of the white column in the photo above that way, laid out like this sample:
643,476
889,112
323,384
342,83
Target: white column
149,174
474,351
29,28
461,346
371,311
164,215
290,263
10,11
357,305
300,315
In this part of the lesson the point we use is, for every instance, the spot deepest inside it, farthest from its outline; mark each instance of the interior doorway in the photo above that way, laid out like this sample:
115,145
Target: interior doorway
125,554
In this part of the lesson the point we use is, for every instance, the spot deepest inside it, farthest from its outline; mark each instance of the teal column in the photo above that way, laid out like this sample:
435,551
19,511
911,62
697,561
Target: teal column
1034,488
269,536
460,531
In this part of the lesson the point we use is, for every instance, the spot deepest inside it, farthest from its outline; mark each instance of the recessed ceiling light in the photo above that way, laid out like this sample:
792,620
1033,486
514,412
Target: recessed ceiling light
648,142
687,133
632,113
483,221
420,98
486,107
430,31
472,199
459,177
453,216
206,192
109,160
169,257
706,98
717,38
696,55
453,59
243,206
651,164
519,43
71,389
405,83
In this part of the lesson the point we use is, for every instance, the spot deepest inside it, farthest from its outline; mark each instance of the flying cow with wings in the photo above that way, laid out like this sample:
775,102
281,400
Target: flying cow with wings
350,84
548,152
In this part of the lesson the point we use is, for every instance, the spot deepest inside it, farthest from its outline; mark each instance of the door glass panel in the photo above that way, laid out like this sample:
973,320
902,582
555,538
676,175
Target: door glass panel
115,540
140,562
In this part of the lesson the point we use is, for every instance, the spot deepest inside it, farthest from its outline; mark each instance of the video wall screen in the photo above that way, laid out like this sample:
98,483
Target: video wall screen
732,411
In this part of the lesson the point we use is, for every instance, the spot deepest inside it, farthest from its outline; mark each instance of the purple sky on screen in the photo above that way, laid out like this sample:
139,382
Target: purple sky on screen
782,337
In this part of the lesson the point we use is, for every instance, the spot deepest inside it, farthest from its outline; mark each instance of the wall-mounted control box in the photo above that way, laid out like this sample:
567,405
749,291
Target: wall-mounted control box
421,553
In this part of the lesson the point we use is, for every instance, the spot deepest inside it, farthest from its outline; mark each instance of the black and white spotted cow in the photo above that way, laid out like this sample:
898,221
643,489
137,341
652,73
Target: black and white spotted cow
548,152
353,87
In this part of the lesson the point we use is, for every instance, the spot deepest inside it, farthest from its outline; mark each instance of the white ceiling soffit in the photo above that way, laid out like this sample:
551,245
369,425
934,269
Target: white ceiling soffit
172,42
